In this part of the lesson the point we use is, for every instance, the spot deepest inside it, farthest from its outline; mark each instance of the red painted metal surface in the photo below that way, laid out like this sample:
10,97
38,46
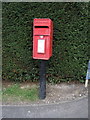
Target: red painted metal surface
42,35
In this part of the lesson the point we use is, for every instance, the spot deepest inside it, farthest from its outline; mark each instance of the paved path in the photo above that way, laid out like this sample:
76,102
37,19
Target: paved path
45,0
73,109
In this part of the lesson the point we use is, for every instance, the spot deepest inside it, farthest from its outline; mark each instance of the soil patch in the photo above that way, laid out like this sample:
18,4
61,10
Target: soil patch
55,93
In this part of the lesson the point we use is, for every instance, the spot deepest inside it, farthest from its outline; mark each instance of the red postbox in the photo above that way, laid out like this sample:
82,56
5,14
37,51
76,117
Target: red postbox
42,38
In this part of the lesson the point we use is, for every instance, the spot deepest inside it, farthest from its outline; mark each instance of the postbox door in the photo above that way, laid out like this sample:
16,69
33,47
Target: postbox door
41,47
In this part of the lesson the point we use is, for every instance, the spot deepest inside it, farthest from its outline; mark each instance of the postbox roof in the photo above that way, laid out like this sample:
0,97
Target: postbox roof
42,22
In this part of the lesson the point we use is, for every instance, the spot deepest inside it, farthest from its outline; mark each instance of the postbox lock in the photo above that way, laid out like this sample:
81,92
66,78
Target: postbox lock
41,36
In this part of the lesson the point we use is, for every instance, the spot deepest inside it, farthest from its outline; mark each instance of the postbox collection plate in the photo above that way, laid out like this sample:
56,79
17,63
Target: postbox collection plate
41,46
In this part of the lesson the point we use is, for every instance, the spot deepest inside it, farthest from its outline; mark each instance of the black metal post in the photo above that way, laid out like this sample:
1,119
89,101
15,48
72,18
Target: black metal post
42,90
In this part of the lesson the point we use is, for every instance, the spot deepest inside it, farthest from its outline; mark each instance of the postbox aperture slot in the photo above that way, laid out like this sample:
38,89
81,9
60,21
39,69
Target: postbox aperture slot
41,27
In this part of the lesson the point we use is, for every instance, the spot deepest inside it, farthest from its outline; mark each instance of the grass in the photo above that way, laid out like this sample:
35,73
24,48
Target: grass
15,91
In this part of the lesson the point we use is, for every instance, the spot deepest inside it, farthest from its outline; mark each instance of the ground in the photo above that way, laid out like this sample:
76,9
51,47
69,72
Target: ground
55,93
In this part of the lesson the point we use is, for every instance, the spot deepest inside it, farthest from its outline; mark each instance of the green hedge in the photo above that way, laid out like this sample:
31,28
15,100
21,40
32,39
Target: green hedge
70,44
